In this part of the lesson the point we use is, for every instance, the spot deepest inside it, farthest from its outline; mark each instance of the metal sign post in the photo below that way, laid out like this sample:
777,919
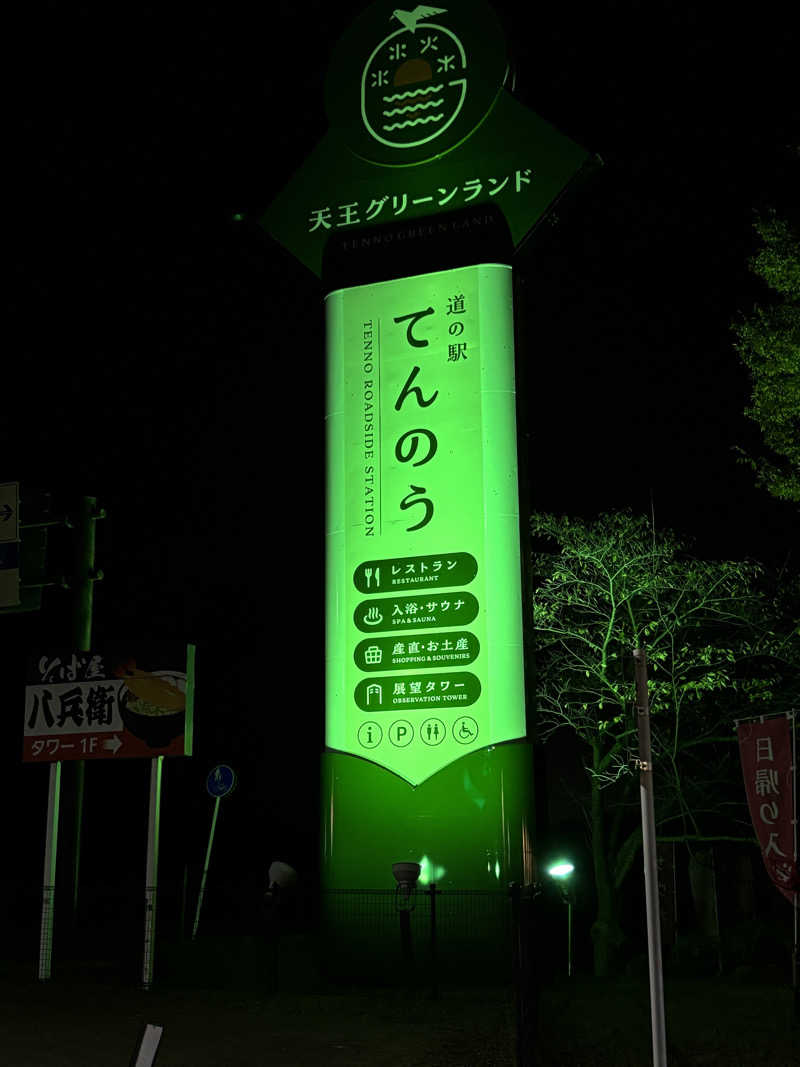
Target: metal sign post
650,863
151,876
219,784
202,892
792,715
98,704
49,877
84,576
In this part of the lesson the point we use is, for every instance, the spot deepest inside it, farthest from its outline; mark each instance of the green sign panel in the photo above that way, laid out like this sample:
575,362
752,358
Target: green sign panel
424,613
429,650
416,612
422,123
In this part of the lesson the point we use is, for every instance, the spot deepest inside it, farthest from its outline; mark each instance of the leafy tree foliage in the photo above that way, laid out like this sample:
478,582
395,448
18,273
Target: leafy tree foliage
768,343
614,584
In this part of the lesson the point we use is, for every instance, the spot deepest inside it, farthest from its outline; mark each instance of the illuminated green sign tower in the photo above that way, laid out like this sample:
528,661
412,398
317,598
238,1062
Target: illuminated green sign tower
410,209
424,614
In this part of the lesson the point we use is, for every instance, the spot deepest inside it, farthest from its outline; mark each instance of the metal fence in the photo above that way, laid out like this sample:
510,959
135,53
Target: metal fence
433,939
440,936
456,914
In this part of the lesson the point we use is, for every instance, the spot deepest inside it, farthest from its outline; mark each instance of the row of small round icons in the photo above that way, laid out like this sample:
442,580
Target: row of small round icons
431,732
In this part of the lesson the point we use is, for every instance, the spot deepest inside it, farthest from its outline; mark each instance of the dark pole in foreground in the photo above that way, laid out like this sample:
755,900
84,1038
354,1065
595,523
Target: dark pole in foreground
650,867
796,898
84,577
49,878
434,961
405,940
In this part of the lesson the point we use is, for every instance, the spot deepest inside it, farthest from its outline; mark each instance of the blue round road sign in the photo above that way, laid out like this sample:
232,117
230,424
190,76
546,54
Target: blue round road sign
220,781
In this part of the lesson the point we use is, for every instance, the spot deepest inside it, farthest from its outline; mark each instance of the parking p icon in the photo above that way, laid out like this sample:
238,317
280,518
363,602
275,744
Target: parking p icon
401,733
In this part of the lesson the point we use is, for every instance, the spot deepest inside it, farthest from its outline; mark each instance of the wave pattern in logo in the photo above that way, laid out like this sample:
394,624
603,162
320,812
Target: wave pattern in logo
413,107
413,92
413,87
414,122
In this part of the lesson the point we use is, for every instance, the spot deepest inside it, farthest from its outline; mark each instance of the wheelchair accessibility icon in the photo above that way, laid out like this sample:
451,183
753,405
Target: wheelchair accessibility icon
465,730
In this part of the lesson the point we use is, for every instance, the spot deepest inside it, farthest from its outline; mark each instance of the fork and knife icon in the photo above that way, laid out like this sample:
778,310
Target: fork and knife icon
368,574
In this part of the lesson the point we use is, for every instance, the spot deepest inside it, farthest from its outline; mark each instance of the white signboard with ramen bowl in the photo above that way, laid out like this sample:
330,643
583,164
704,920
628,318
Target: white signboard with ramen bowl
109,704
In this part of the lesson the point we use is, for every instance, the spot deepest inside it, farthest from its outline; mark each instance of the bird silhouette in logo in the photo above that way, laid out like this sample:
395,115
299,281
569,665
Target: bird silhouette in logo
410,18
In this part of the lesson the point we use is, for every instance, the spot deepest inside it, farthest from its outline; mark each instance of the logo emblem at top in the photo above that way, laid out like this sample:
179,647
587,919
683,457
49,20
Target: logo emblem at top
414,83
408,86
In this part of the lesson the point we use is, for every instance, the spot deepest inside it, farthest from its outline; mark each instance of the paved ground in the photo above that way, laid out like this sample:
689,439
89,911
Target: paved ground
735,1021
90,1017
90,1024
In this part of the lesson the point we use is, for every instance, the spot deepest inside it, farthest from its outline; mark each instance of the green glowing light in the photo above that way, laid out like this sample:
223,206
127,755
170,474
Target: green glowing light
372,818
562,869
424,612
430,872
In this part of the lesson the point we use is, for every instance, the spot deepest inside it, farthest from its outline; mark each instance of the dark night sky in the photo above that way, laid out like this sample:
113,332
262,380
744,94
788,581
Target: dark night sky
170,361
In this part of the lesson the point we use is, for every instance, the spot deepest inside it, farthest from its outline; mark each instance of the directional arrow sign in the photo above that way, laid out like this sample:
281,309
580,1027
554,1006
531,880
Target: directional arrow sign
9,511
9,544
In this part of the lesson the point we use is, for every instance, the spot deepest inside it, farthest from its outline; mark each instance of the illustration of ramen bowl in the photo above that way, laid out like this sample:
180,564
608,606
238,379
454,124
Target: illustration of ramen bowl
152,710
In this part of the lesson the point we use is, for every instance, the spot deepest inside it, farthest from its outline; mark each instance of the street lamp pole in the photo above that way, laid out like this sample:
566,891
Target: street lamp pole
650,865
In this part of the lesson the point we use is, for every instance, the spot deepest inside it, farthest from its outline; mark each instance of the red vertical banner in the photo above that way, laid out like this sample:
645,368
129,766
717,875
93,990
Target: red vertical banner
765,749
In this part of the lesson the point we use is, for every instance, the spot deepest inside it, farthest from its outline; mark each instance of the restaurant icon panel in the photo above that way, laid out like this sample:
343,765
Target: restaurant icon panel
440,570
